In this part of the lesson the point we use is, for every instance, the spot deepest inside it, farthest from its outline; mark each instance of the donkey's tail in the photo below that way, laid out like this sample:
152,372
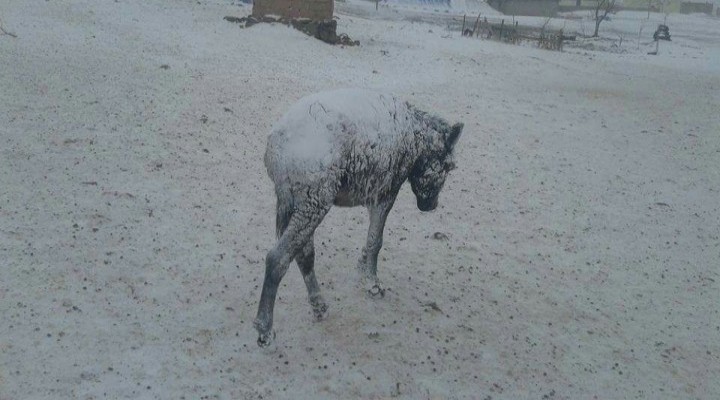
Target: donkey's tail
284,211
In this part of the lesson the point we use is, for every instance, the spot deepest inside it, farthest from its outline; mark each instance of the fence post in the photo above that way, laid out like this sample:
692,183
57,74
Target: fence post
502,25
560,40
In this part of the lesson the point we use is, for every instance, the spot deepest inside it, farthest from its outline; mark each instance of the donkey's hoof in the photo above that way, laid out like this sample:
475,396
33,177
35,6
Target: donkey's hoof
320,311
319,307
265,339
376,291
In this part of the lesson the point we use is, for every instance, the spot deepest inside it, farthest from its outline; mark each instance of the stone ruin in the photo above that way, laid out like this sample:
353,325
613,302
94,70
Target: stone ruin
313,17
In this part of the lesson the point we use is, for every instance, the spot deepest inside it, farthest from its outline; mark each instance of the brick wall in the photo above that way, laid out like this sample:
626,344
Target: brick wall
316,10
541,8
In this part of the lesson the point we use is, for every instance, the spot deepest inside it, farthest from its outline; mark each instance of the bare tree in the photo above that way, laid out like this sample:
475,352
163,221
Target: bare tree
602,9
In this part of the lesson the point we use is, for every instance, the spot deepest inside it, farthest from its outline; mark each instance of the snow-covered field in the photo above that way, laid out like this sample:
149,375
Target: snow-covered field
583,229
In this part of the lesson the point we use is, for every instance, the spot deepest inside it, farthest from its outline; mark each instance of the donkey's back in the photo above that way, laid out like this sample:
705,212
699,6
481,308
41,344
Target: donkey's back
325,131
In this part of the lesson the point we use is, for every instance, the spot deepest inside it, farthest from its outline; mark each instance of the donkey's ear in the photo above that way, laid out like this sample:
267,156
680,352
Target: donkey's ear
454,135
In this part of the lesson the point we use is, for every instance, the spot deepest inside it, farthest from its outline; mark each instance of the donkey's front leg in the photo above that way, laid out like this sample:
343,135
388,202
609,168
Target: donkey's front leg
368,261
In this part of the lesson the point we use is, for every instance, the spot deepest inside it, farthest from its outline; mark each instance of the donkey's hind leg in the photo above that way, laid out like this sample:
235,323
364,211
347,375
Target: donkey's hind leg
300,229
306,263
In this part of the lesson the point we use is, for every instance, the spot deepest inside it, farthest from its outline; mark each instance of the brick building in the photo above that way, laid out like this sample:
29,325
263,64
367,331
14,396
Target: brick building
316,10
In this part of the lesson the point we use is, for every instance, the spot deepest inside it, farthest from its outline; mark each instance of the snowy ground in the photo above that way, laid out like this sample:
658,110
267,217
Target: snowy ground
135,213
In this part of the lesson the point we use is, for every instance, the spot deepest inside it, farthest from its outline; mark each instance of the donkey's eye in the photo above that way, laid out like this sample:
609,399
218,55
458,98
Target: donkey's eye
433,168
450,166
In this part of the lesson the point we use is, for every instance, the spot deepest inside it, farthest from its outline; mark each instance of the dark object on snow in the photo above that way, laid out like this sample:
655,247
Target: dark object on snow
323,30
344,40
249,21
662,33
347,148
237,20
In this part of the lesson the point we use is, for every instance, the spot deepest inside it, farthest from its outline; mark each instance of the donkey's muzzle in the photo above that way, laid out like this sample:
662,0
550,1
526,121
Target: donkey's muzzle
427,204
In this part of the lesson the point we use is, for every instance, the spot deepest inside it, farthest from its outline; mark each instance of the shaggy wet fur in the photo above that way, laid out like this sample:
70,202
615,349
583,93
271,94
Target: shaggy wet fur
346,148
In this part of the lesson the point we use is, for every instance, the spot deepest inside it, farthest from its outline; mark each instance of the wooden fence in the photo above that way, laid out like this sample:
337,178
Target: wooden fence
513,32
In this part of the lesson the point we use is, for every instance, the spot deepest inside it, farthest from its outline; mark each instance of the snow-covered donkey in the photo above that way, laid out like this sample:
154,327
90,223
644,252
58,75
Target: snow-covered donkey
348,148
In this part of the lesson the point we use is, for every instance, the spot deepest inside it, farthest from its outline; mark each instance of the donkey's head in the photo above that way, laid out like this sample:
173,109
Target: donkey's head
430,170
